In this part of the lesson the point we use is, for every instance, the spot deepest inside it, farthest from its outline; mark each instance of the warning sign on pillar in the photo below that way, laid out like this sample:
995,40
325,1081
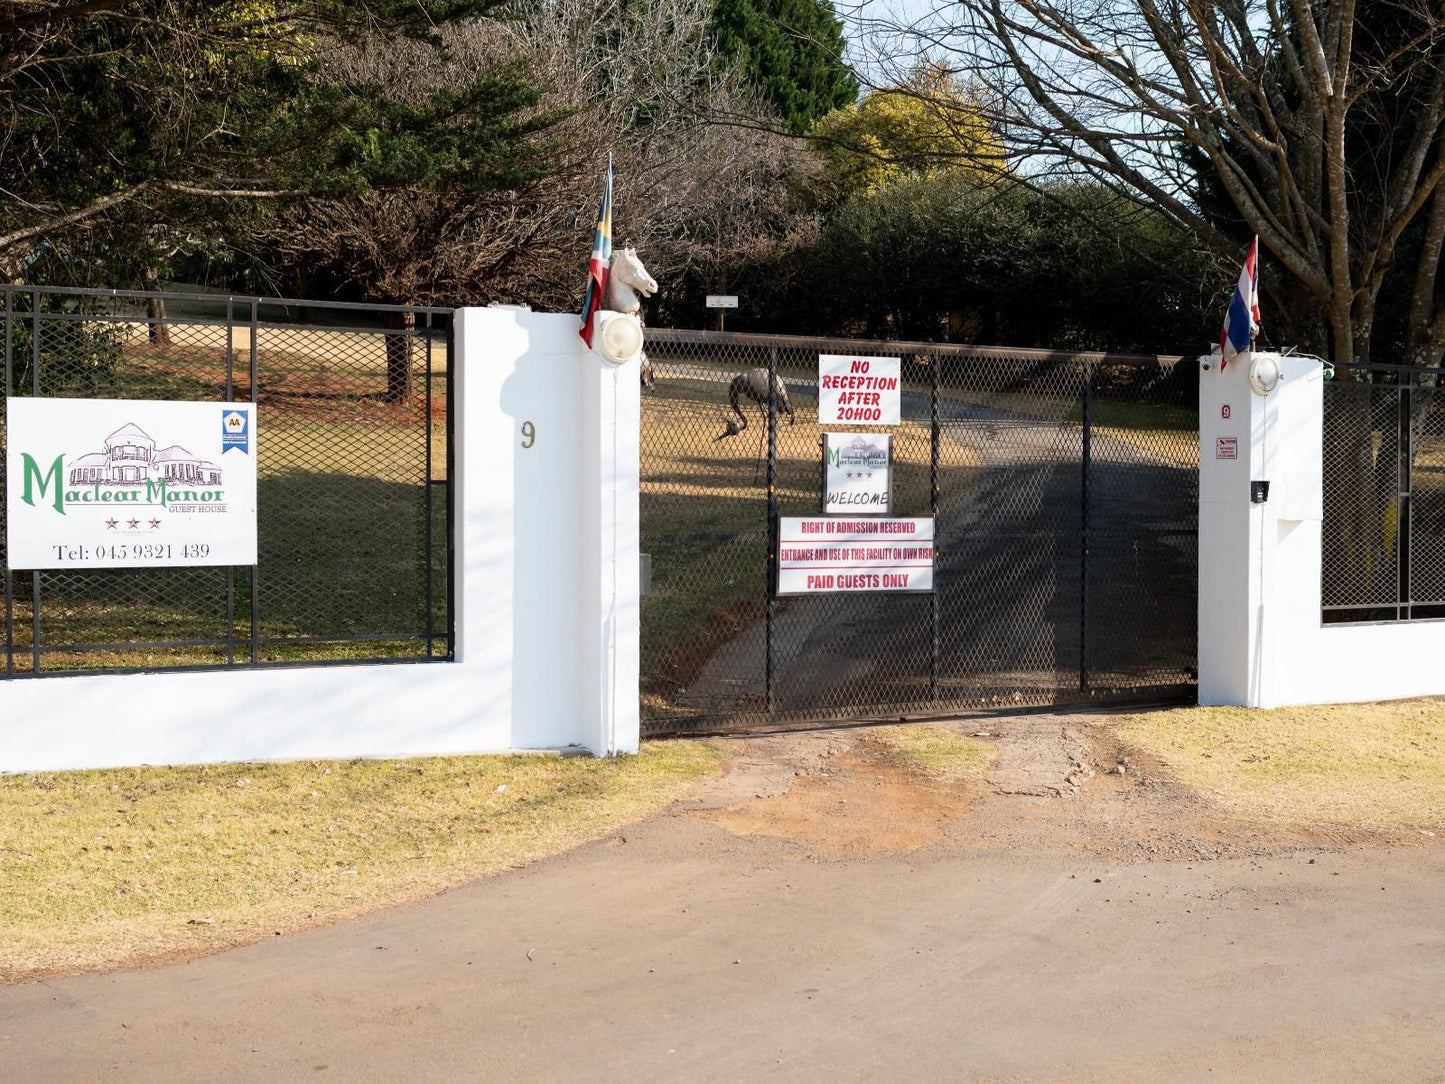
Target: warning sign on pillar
853,391
836,555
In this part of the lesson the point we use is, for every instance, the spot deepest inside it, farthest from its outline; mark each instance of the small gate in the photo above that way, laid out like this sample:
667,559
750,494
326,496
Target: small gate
1064,489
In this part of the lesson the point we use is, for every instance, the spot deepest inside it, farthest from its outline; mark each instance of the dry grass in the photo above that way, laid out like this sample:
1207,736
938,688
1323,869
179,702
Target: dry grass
1369,765
108,868
937,752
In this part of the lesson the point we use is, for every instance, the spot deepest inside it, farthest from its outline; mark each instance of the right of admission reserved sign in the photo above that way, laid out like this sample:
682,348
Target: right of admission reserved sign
827,555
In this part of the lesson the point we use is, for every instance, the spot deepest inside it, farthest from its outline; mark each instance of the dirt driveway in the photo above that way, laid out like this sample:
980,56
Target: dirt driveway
822,913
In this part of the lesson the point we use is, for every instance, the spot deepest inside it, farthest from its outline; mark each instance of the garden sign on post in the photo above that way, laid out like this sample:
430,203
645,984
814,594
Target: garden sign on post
100,483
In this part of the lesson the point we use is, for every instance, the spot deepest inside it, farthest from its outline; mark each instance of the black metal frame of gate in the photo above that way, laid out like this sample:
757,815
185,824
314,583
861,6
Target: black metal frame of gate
1176,680
47,313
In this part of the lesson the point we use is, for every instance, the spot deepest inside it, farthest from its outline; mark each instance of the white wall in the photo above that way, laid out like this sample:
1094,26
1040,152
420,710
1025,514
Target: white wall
1261,640
547,608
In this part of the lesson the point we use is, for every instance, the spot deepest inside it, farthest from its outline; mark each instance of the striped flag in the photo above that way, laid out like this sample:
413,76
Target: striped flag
601,260
1241,320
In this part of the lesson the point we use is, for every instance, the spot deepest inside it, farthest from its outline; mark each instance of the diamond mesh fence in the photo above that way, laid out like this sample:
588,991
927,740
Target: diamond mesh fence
1064,490
1383,541
352,474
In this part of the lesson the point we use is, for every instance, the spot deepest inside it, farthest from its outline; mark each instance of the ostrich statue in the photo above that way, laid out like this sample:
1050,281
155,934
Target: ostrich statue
754,385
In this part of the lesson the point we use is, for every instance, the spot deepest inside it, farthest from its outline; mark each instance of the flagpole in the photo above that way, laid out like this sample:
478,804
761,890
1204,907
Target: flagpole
1253,328
1253,302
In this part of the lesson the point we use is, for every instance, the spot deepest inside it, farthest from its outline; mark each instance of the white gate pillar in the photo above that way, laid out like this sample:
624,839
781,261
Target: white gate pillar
610,553
548,520
1259,561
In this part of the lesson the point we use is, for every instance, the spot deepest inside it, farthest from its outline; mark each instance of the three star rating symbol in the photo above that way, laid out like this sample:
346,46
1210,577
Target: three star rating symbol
131,524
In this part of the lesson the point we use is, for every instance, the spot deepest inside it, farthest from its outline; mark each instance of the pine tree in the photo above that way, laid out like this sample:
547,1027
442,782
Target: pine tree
792,50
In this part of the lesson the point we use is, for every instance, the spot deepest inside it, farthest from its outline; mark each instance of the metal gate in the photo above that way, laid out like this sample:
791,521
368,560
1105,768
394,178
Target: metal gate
1064,489
355,511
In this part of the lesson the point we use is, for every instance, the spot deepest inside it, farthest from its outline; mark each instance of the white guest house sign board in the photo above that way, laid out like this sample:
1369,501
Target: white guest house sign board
858,390
857,470
127,483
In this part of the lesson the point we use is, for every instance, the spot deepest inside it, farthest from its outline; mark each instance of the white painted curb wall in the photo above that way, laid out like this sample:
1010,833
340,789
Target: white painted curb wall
547,607
1261,640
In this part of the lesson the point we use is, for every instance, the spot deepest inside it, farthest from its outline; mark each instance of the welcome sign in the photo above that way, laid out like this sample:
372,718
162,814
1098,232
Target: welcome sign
857,472
127,483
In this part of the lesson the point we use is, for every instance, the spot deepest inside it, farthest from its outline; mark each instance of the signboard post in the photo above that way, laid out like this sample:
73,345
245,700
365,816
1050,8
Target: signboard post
858,390
857,472
721,302
101,483
825,556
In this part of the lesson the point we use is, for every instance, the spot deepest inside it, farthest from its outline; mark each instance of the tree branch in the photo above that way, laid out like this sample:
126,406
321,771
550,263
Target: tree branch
78,215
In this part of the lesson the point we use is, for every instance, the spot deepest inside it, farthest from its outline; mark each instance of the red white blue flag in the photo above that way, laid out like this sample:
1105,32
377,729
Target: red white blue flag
601,260
1241,320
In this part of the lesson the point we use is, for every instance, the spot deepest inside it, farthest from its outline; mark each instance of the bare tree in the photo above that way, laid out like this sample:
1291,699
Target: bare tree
1322,126
636,79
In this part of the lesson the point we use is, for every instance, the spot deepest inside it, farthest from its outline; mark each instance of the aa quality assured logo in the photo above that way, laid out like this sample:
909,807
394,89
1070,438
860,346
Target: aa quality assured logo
131,468
235,430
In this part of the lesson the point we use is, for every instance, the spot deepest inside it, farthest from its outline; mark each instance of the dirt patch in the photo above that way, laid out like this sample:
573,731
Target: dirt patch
859,805
1055,784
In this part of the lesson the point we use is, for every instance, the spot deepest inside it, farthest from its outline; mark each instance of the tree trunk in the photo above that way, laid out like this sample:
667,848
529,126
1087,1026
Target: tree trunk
398,354
158,331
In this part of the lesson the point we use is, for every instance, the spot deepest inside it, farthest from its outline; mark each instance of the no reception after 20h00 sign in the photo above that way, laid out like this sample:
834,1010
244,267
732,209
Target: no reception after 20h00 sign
858,391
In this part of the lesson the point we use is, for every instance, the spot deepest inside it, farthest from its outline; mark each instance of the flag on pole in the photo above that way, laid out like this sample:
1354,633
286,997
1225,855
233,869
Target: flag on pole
1241,319
601,260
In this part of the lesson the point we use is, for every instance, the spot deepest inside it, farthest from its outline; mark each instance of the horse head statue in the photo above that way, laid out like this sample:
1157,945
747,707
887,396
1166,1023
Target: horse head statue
626,280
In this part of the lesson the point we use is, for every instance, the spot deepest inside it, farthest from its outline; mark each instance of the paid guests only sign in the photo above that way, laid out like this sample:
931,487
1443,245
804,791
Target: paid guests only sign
100,483
823,556
858,390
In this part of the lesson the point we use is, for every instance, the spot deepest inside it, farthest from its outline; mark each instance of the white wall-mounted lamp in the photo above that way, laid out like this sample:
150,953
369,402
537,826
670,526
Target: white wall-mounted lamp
1264,373
619,338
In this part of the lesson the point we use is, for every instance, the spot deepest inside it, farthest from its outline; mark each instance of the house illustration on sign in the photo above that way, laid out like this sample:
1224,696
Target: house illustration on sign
130,457
862,450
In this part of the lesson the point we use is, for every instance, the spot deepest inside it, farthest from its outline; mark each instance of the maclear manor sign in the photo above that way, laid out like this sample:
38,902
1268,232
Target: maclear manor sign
101,483
857,469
